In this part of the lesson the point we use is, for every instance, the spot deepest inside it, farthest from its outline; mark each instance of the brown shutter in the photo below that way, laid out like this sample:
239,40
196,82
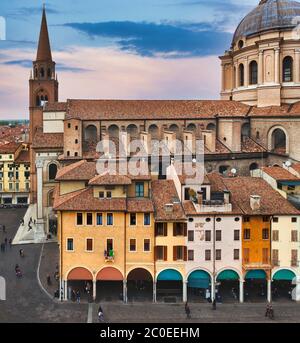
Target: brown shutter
165,253
174,230
155,253
165,229
185,229
185,253
294,236
174,253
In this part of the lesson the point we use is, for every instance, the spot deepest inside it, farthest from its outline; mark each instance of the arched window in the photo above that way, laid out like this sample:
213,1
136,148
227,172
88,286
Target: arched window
174,128
90,133
154,131
132,130
42,72
113,131
49,72
279,141
191,127
52,171
287,68
253,73
241,75
36,73
211,127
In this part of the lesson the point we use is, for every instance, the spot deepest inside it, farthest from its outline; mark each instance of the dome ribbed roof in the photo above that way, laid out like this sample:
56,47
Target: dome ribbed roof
268,15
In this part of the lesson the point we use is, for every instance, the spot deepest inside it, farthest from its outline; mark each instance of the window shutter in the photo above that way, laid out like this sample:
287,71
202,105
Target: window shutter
155,253
174,253
174,230
165,229
165,253
185,253
185,229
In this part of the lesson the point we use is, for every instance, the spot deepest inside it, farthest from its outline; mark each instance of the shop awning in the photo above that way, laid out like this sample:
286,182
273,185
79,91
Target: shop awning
256,274
228,275
169,275
284,274
199,279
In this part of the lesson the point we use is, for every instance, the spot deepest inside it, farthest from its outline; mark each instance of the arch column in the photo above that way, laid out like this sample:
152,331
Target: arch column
297,65
269,291
154,291
241,291
184,290
94,289
277,65
213,289
260,67
125,291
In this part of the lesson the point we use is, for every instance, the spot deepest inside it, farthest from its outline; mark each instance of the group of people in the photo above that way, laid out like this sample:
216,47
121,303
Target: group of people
7,242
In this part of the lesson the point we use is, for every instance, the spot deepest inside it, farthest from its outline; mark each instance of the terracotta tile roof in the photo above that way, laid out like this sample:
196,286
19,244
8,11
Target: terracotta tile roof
272,203
163,193
56,107
9,148
24,157
280,174
296,167
48,140
140,205
153,109
216,182
85,201
80,171
249,145
107,179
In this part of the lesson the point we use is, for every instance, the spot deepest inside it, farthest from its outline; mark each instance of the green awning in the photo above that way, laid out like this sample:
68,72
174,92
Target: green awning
256,274
228,275
284,274
199,279
169,275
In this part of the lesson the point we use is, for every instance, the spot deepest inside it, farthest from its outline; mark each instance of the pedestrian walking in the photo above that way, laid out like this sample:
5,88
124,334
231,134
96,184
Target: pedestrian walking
6,241
187,311
100,315
2,247
21,252
78,297
49,283
10,243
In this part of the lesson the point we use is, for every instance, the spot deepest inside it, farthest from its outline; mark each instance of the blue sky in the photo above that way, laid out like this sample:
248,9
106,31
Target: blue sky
130,44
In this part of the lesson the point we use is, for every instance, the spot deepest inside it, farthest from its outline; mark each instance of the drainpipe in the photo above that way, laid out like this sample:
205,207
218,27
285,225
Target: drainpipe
213,281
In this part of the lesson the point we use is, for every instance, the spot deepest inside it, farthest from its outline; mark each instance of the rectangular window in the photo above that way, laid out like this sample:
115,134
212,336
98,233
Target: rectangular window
265,254
266,219
294,220
147,219
70,244
17,187
179,229
275,257
246,257
109,246
147,245
89,219
246,219
218,255
178,253
132,219
294,236
108,195
101,195
191,255
27,186
265,234
236,235
132,246
79,219
139,189
191,236
99,219
161,229
207,236
17,175
89,244
236,254
247,234
161,253
275,235
207,255
10,186
218,235
275,219
294,258
110,219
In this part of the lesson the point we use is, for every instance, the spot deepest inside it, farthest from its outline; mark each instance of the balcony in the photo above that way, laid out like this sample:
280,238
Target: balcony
109,256
213,206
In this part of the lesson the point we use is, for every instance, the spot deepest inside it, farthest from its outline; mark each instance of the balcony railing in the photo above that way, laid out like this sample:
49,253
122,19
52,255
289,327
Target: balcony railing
109,256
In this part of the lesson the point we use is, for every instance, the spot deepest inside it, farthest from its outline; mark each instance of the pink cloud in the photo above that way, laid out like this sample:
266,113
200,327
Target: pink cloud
112,74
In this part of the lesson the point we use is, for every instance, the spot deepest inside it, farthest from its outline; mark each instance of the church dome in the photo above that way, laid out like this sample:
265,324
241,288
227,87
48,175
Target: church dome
268,15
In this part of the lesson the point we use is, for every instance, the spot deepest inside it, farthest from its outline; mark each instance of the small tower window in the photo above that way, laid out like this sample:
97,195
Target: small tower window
241,75
253,73
287,68
42,72
241,44
36,73
49,72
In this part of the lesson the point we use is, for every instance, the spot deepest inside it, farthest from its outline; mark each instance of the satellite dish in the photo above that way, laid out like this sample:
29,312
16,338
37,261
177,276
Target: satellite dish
233,171
288,164
194,160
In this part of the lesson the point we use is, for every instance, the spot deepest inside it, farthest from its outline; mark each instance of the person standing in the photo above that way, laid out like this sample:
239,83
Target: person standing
10,243
187,311
78,297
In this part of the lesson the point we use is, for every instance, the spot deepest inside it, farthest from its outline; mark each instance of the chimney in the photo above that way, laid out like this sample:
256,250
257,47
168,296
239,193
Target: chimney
255,202
199,197
226,197
169,208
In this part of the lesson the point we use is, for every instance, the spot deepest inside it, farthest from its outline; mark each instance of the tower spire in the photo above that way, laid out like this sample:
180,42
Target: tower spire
44,49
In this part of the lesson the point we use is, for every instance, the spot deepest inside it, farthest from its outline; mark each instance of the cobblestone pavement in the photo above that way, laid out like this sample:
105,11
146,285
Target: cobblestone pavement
27,302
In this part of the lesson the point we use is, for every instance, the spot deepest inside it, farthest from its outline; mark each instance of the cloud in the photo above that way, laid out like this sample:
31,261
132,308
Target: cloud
59,67
159,39
24,12
113,74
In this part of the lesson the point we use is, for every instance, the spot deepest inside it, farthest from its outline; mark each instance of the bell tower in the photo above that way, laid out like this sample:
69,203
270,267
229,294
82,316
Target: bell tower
43,84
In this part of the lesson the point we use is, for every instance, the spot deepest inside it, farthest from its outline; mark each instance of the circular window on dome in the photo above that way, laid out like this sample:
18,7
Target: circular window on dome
241,44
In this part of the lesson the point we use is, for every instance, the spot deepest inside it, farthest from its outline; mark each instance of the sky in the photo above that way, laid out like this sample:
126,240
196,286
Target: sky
118,49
